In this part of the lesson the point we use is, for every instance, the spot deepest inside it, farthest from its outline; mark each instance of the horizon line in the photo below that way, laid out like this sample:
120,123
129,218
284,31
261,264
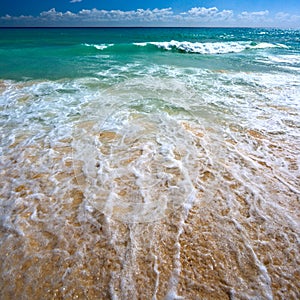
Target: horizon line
118,27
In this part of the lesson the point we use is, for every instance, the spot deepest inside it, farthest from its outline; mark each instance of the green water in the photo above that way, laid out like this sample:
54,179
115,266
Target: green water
62,53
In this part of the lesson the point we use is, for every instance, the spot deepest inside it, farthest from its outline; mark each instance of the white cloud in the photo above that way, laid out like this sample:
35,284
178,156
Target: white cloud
20,19
75,1
283,17
208,14
140,15
265,19
6,17
93,16
196,16
255,18
53,15
253,15
202,12
202,16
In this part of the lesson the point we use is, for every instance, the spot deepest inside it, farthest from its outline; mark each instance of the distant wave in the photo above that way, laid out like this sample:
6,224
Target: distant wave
210,47
189,47
99,47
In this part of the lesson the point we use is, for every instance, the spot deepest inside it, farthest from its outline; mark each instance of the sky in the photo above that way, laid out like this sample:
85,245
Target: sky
214,13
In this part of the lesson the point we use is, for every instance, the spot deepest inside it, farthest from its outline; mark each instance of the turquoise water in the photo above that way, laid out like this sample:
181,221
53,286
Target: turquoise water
151,163
73,53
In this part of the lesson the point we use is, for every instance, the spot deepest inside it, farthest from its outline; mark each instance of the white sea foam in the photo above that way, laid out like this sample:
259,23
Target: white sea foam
210,47
233,158
145,172
286,59
289,62
267,45
140,44
99,47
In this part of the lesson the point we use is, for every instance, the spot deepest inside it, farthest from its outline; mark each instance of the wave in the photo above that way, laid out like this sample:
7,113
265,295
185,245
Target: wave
190,47
291,59
99,47
211,47
290,62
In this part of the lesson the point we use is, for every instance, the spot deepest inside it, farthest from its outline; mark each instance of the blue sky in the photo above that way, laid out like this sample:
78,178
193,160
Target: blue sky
257,13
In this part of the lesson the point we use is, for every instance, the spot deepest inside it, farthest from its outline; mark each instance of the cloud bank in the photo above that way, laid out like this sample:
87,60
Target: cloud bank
196,16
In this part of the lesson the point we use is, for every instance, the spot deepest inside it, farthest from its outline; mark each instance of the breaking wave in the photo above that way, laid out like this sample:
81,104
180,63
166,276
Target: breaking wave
212,48
191,47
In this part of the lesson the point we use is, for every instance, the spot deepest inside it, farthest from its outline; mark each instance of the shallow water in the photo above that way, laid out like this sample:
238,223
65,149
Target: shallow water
153,172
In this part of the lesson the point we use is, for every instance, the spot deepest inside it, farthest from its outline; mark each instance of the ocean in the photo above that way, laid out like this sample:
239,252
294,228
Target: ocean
149,163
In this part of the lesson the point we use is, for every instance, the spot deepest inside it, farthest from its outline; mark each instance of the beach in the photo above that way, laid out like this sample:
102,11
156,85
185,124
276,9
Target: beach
149,163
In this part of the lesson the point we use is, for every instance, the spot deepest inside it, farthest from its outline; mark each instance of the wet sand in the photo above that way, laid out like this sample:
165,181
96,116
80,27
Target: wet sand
230,241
